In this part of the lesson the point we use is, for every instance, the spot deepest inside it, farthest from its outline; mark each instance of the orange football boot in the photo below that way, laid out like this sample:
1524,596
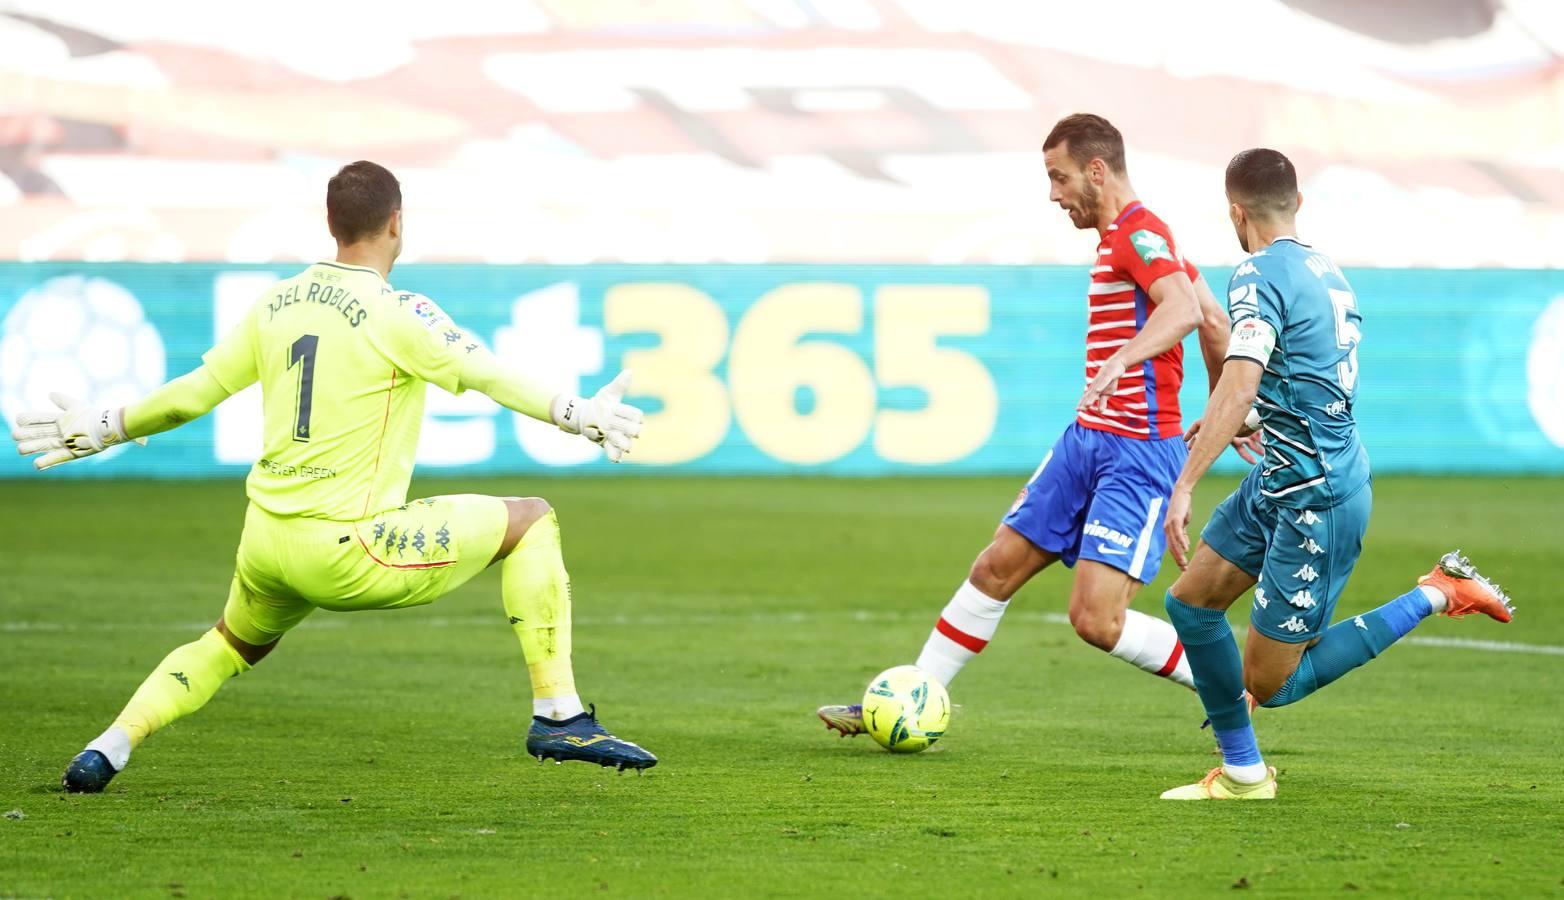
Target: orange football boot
1466,590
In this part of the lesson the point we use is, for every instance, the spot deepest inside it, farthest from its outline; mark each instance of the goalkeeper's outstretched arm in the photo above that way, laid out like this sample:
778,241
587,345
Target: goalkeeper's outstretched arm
185,399
602,418
75,430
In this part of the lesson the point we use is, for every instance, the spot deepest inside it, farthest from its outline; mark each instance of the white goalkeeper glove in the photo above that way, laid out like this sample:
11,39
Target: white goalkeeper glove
601,418
73,431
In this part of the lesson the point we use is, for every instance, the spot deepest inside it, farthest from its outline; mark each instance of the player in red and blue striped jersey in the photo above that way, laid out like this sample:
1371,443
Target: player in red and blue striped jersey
1097,501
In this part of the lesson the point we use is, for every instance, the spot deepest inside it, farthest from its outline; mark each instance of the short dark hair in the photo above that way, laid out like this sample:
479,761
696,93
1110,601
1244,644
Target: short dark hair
360,199
1087,137
1264,182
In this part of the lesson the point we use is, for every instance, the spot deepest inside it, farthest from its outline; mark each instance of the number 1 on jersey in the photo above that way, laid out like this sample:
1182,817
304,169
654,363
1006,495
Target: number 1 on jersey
302,354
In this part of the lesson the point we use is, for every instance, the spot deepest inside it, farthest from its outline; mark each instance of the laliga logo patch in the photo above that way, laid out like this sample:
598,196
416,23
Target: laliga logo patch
428,313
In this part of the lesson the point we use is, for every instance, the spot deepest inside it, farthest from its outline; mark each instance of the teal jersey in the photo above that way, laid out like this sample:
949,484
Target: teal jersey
1294,314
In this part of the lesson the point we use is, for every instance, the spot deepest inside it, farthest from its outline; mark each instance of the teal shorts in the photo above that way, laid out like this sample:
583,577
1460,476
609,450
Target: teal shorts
1302,557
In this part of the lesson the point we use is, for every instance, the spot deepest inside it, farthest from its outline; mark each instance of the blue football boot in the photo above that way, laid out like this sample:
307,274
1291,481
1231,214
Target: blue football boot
88,773
583,739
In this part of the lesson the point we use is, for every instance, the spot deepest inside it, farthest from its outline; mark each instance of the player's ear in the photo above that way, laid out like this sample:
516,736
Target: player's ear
394,226
1097,171
1298,203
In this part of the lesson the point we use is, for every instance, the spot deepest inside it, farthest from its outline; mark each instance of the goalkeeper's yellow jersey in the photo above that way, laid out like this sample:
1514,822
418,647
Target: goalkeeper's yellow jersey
342,359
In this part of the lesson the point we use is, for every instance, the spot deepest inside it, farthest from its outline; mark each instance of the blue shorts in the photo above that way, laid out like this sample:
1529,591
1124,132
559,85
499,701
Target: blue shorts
1301,556
1102,497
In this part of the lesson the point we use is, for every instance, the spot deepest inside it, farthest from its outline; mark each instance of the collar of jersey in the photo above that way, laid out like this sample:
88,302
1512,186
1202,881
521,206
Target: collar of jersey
1127,211
352,268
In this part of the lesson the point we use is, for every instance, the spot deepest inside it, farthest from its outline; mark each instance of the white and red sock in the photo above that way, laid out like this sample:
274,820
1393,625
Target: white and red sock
965,627
1151,644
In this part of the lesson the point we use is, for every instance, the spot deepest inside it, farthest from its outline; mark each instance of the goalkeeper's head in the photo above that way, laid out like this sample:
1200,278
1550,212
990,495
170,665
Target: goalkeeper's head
364,205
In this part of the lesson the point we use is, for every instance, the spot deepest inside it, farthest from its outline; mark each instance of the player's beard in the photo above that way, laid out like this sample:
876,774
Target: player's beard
1084,214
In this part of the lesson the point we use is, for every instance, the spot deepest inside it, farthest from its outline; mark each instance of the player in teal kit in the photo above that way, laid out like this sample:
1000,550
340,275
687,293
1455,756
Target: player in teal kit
1293,530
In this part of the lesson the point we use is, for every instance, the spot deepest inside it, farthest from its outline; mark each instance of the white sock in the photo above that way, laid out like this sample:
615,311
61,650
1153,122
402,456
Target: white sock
1254,773
557,708
965,627
1151,644
1435,596
114,744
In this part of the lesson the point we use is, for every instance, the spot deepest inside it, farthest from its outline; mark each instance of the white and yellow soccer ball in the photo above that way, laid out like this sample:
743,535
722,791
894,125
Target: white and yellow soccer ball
905,710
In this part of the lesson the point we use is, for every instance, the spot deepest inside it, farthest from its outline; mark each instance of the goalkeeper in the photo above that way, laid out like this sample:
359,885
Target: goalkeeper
342,359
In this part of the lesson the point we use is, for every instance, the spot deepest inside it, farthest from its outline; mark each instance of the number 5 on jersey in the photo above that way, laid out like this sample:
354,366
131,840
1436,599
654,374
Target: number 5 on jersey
1347,336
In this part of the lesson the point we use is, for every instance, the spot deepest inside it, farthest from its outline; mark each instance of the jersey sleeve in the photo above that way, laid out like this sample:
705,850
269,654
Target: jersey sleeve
420,339
232,361
1148,253
1254,305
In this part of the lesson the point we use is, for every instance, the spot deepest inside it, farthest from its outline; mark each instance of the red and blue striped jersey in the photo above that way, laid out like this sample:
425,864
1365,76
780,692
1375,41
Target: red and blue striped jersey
1136,250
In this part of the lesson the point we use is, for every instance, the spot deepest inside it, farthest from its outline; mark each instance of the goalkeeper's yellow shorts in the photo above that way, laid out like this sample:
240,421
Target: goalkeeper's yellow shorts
289,566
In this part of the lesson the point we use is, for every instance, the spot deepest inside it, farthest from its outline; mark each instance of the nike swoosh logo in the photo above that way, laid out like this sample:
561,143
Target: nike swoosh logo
1114,551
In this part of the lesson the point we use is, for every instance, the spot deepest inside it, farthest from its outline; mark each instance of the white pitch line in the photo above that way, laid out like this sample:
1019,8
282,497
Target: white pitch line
698,620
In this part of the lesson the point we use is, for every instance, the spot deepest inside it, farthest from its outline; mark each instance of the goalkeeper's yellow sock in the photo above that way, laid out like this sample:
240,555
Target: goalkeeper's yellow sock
536,591
180,685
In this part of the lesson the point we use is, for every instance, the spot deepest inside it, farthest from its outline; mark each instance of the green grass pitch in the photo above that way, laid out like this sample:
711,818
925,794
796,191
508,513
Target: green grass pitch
379,754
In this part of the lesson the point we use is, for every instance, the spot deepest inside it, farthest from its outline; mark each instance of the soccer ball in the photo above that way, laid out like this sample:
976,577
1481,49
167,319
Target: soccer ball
906,710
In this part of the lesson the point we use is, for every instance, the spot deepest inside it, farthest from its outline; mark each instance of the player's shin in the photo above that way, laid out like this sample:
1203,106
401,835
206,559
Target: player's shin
1219,679
1353,642
965,627
1152,645
181,684
536,593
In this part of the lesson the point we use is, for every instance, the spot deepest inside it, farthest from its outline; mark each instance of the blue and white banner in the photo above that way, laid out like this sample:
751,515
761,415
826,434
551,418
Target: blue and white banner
854,370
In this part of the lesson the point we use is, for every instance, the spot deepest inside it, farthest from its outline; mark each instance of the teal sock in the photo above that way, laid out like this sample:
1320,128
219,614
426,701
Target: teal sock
1219,677
1349,644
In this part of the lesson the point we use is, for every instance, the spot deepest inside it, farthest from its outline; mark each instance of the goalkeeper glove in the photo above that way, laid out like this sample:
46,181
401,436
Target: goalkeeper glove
72,432
601,418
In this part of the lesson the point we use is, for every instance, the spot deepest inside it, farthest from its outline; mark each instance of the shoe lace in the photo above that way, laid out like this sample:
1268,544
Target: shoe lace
1211,776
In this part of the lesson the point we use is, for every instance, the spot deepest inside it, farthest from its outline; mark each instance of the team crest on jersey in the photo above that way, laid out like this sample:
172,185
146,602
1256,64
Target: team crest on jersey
428,313
1020,499
1150,246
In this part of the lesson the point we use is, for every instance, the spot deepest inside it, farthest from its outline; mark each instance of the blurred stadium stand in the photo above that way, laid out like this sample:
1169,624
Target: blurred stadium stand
1430,132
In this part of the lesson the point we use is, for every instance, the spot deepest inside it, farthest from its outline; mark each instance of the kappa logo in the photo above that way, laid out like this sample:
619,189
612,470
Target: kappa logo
1150,246
1308,518
1307,573
1247,268
180,677
1302,599
1259,598
1311,545
1294,625
1358,621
